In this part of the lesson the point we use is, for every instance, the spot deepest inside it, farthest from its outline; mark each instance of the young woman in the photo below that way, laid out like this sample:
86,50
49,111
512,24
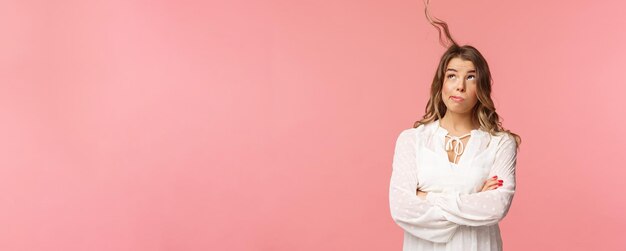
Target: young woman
453,175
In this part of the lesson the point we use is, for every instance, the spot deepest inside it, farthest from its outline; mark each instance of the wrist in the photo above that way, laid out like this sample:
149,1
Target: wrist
423,195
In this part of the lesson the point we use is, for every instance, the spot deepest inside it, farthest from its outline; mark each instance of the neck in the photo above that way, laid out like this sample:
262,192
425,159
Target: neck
458,122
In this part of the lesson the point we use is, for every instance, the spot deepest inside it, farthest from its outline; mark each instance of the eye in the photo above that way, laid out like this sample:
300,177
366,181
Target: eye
451,75
472,76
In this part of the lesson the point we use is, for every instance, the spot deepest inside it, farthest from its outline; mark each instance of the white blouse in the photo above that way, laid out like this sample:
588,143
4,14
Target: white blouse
454,215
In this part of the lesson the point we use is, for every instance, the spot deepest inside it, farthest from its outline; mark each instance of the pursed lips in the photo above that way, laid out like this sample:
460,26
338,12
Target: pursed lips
457,98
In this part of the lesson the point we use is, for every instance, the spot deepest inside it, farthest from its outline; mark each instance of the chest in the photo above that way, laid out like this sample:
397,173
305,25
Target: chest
456,148
437,174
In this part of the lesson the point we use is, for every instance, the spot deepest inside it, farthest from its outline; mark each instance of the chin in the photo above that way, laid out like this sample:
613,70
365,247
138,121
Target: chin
460,111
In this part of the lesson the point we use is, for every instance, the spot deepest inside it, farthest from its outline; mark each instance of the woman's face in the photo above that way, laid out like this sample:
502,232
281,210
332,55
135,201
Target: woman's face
459,81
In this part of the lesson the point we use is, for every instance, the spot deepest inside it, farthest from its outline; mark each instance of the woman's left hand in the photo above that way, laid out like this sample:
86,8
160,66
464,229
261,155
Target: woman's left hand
421,194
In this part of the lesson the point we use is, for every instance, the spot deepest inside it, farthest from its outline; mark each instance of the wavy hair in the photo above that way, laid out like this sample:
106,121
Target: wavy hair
484,112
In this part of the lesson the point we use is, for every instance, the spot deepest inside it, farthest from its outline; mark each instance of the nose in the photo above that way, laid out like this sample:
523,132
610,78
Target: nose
461,86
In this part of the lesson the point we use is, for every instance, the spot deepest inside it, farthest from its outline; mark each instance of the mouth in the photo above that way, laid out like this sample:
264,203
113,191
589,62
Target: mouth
457,99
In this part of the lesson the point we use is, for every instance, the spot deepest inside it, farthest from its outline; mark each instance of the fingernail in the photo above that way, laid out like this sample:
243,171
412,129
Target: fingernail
499,184
500,180
494,177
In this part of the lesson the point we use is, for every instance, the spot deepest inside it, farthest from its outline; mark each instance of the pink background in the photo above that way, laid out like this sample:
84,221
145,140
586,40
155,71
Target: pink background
270,125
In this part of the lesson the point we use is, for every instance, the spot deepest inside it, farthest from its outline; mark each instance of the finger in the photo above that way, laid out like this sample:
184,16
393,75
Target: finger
495,181
494,178
494,186
492,182
489,187
489,183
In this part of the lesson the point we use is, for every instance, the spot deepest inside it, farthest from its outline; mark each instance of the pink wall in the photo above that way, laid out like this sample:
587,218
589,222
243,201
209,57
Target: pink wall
269,125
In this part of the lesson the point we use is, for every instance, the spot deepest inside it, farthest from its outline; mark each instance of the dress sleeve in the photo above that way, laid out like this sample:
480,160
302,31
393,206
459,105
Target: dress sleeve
415,215
488,207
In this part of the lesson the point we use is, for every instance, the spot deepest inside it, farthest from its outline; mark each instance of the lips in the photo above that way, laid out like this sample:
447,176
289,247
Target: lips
457,99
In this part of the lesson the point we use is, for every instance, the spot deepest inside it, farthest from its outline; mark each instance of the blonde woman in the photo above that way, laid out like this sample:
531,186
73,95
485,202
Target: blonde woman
453,175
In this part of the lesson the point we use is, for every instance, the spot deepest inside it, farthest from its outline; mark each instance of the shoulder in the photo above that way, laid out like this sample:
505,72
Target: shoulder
413,135
506,138
506,142
415,132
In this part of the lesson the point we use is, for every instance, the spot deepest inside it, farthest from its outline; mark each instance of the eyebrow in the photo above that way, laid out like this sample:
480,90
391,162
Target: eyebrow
454,70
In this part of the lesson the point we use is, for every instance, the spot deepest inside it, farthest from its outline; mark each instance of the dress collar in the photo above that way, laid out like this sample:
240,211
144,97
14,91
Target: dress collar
479,139
442,131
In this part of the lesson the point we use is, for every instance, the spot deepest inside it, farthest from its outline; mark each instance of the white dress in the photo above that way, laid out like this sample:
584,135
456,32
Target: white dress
454,215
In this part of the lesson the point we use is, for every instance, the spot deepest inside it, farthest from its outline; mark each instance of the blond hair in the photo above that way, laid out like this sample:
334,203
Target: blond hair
484,112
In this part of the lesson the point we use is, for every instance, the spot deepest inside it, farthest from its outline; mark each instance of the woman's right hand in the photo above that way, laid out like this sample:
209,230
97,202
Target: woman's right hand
492,183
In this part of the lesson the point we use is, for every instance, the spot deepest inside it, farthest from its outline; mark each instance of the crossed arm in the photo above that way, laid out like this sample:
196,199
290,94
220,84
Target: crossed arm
437,216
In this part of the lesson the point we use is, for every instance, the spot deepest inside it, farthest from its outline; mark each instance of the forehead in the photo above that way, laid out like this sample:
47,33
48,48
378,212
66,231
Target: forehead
460,65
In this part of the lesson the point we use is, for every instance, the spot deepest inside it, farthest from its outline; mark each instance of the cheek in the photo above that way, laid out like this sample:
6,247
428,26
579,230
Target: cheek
471,91
472,94
446,88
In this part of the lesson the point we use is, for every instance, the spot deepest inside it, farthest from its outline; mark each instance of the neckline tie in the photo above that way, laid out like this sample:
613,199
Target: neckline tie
458,145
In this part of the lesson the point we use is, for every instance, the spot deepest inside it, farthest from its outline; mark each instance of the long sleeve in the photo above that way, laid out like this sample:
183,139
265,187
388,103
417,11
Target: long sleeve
488,207
415,215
